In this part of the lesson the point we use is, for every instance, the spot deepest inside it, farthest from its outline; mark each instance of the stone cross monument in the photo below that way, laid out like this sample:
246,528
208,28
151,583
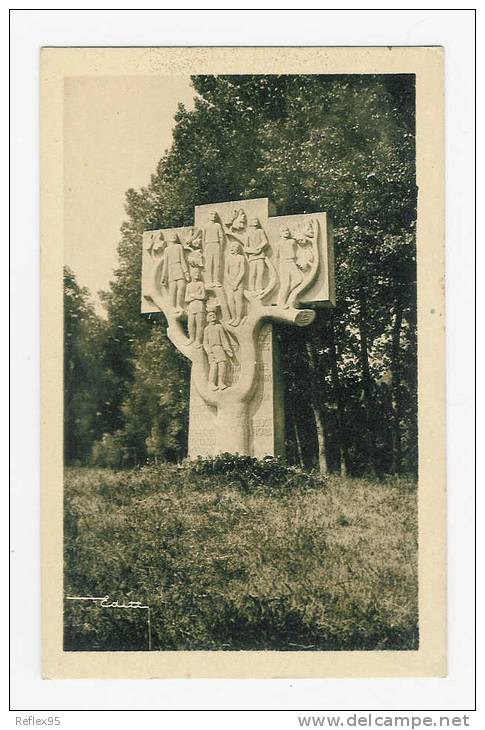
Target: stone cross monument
220,284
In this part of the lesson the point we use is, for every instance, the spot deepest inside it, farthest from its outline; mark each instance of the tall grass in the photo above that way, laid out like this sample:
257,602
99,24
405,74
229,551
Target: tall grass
225,562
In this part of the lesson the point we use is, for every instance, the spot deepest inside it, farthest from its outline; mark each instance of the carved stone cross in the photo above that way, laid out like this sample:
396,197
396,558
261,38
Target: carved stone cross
220,284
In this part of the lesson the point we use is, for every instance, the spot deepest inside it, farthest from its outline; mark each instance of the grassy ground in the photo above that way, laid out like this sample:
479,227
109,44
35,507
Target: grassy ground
318,566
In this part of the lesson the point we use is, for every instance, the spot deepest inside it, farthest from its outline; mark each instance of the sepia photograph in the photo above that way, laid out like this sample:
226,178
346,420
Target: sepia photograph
242,465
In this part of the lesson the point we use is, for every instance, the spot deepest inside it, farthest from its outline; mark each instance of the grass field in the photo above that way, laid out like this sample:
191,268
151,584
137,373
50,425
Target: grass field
321,565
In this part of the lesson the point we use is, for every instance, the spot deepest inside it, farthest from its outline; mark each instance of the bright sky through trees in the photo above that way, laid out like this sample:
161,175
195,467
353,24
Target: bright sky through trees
116,130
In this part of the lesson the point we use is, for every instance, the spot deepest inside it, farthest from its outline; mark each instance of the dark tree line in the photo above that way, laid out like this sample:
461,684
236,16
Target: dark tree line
341,144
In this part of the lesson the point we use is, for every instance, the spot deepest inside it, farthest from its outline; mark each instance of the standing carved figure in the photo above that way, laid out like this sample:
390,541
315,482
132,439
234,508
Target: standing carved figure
254,250
213,241
175,272
194,298
233,280
289,273
218,349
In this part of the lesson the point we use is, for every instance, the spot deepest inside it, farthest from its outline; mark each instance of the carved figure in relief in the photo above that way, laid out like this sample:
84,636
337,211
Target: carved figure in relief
213,241
306,241
194,298
218,349
240,221
254,250
153,243
229,218
193,247
286,262
233,280
175,272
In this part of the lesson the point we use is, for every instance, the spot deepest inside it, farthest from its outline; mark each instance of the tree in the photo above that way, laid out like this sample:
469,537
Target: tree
155,410
88,384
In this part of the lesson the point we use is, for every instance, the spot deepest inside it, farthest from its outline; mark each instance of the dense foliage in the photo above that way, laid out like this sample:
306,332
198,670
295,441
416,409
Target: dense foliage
90,386
341,144
221,567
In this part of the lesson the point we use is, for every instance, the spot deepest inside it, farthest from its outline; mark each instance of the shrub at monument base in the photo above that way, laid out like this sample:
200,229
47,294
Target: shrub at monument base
249,474
226,558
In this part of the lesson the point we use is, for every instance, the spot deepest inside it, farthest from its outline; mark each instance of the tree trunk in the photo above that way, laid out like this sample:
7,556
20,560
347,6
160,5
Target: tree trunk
342,436
299,451
320,426
396,388
369,404
317,389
